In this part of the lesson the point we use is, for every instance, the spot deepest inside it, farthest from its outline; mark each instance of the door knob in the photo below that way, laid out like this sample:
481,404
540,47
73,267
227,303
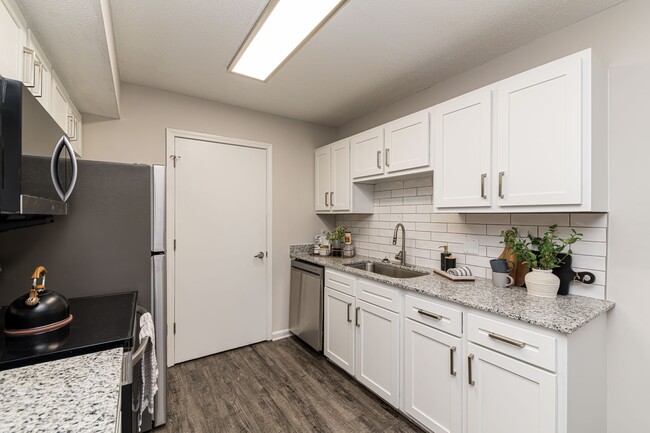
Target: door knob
259,255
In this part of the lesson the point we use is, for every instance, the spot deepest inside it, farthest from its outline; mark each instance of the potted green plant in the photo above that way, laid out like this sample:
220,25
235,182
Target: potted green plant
541,254
336,236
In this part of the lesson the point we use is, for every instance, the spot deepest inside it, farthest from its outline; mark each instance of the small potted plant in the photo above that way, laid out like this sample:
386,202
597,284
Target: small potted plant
335,237
541,255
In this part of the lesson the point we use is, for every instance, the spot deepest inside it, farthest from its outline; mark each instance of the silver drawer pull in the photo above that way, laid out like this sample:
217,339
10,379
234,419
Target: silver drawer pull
483,176
379,159
501,174
356,317
349,318
510,341
470,381
452,370
427,314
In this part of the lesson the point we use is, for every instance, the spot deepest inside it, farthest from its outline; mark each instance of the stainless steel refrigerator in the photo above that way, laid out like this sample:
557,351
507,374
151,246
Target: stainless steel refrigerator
112,240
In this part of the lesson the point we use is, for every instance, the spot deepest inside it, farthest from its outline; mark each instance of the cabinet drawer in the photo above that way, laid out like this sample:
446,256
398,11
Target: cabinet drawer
433,314
518,342
340,281
379,294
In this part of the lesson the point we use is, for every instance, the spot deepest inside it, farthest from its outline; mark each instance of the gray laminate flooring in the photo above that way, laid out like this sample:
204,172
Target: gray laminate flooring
280,386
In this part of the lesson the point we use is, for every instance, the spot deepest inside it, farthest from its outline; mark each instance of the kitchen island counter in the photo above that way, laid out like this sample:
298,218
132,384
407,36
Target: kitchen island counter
77,394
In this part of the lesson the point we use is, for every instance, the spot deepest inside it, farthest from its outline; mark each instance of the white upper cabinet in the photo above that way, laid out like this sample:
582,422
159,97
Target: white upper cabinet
12,39
539,146
407,143
340,176
367,153
322,158
34,60
333,190
463,144
400,147
539,143
59,107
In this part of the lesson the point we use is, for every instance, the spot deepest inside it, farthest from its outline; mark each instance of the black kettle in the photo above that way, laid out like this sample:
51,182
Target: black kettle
38,311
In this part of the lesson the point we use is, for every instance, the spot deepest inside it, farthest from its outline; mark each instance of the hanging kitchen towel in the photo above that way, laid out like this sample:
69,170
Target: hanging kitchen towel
145,385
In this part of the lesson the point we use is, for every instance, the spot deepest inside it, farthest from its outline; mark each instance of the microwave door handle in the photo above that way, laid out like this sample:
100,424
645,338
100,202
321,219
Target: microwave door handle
54,168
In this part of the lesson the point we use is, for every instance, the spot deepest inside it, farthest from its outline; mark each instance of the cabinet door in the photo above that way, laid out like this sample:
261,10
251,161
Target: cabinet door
11,44
322,179
367,151
540,136
340,176
59,104
339,329
42,72
508,396
407,143
432,375
377,351
463,138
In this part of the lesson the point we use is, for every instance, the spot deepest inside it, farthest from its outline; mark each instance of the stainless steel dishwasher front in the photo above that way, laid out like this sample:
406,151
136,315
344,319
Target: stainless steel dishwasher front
306,303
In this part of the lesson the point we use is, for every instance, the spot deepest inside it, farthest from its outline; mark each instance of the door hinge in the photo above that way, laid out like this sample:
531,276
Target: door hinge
174,158
174,327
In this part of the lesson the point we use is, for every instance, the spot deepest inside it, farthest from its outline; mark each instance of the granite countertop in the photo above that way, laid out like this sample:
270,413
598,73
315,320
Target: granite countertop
564,313
77,394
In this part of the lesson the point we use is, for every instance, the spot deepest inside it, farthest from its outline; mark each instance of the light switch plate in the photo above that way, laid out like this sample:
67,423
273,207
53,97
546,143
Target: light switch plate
471,245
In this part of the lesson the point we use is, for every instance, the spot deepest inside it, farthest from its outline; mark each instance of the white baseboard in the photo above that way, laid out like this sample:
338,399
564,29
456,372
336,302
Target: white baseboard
279,335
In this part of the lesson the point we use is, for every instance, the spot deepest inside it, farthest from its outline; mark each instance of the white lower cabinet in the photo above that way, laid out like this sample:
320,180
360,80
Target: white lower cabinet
339,329
508,396
463,371
433,377
377,351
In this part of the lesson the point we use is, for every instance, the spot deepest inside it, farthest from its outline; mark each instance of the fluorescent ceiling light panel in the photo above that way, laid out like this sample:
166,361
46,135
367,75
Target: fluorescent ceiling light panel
282,29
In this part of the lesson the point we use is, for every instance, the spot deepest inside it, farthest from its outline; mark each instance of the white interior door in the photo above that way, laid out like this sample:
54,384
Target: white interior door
220,210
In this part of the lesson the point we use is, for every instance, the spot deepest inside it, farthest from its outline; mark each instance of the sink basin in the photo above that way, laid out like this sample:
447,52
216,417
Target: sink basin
387,270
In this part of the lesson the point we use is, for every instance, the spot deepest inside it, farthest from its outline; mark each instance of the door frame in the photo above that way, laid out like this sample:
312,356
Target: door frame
171,135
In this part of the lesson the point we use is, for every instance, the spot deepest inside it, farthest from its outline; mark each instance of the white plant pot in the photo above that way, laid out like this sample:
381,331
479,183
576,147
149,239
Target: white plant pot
543,283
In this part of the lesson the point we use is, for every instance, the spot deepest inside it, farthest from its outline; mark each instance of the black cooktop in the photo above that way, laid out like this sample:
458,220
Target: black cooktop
99,323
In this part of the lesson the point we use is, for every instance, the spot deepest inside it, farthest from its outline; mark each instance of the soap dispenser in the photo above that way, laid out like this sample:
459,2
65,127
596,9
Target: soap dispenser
443,257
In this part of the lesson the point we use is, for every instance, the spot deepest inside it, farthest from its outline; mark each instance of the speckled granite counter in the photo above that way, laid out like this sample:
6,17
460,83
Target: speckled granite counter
564,313
77,394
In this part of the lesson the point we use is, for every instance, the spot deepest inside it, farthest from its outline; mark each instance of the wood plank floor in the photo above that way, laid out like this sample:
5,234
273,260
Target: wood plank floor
280,386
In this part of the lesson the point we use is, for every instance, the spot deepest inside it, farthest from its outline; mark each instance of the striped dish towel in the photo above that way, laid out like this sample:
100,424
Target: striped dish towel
146,386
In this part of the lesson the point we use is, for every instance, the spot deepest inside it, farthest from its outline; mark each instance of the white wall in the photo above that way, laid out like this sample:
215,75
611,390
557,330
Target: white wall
620,36
410,202
139,137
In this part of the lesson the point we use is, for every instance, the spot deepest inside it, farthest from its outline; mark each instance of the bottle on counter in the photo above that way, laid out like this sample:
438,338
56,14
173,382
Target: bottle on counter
347,240
443,258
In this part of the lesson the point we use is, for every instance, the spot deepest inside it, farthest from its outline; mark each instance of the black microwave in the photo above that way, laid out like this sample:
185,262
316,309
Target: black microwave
38,168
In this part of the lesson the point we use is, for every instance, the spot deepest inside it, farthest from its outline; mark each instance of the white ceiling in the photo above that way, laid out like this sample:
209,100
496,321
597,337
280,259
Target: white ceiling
372,52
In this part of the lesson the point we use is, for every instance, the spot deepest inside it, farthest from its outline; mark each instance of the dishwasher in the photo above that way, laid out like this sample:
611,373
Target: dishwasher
306,303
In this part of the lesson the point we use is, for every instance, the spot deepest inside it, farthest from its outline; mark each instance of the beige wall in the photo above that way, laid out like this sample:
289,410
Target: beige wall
139,136
620,36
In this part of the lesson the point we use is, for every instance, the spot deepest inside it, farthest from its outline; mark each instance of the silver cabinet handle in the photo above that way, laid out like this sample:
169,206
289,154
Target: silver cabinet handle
356,317
469,370
349,318
326,194
483,176
431,315
387,157
259,255
452,370
501,174
510,341
379,159
332,198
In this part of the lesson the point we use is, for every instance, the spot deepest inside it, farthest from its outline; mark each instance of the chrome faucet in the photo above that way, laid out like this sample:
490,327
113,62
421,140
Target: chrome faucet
401,256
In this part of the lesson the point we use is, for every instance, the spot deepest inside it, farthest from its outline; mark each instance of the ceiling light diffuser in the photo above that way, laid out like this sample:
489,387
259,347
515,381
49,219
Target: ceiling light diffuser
282,29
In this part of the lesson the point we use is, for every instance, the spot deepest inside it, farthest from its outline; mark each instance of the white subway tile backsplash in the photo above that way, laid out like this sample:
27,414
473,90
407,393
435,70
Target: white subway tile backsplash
420,199
488,218
420,181
411,192
410,202
589,219
468,229
540,219
455,218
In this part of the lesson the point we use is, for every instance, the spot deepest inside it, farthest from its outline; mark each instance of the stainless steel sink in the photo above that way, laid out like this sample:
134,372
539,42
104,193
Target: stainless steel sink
387,270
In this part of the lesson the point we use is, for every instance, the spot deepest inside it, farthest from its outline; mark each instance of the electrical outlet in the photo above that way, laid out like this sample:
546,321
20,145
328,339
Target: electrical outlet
471,245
